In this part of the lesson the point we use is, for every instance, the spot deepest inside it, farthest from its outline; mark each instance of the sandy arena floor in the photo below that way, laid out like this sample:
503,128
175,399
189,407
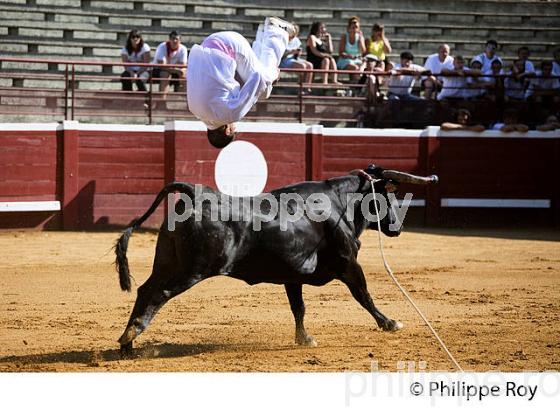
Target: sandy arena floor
494,296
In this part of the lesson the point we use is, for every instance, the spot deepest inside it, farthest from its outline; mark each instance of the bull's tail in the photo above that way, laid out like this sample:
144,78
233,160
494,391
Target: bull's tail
121,246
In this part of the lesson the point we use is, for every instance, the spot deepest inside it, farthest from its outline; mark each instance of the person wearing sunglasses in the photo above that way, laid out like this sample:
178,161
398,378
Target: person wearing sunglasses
135,51
489,55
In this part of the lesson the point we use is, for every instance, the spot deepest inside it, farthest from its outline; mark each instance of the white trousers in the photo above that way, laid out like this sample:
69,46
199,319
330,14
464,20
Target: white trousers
264,57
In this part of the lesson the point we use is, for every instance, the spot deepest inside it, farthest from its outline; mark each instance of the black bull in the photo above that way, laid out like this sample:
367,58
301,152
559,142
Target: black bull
304,252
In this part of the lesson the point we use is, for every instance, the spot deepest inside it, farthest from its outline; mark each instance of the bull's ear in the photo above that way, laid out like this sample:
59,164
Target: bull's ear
375,171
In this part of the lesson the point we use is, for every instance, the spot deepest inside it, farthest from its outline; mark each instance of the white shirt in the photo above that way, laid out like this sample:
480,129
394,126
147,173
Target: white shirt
435,65
474,90
490,78
555,68
487,62
214,96
498,126
542,84
135,56
402,84
514,89
529,67
294,44
178,56
454,87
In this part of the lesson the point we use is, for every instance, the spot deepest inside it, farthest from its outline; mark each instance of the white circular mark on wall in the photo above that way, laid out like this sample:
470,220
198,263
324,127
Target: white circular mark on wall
241,169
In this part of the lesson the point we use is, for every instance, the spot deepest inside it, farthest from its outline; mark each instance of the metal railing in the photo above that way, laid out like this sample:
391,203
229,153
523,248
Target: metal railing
78,91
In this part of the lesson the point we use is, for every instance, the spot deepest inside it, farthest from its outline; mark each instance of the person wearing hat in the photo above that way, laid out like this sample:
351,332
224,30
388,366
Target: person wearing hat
374,65
226,77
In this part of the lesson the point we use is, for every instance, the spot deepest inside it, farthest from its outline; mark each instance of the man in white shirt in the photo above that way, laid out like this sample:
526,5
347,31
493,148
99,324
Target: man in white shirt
435,63
556,63
489,55
170,52
226,77
523,53
516,81
492,81
476,83
402,78
455,84
544,85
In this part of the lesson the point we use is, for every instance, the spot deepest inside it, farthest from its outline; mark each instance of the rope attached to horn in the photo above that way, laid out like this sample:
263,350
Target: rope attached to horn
433,179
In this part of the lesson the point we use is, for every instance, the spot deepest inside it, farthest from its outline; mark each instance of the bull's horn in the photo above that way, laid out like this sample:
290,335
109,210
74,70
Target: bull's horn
409,178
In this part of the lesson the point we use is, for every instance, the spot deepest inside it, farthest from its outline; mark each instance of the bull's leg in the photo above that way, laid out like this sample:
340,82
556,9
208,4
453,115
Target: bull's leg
356,282
165,282
298,309
149,301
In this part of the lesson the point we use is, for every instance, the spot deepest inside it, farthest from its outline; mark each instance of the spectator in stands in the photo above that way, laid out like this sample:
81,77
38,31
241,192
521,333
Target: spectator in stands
455,85
550,124
372,81
292,59
135,51
544,86
510,123
523,53
515,84
493,81
351,47
489,55
319,51
378,45
475,83
436,63
556,63
170,52
463,119
402,78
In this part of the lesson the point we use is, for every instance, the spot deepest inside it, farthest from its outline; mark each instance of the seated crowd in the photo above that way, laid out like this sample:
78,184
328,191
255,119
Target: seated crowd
442,76
170,52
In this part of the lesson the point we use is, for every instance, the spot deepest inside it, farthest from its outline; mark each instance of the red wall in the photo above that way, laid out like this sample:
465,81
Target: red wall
509,167
194,157
108,177
28,172
119,173
339,154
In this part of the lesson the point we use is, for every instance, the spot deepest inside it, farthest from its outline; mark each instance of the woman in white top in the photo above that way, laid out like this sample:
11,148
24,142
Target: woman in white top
292,57
135,51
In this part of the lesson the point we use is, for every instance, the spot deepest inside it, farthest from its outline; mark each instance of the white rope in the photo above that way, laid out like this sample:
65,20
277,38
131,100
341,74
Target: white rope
404,292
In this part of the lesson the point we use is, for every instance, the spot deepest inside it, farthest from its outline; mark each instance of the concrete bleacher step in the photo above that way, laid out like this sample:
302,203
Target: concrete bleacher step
86,30
100,15
112,31
268,7
92,39
92,47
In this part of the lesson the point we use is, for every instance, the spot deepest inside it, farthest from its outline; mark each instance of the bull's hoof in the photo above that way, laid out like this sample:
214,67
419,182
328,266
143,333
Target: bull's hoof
391,325
128,336
126,351
306,341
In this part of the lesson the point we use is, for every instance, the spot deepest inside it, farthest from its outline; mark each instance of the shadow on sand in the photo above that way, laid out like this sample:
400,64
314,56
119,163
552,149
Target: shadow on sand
93,357
520,233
